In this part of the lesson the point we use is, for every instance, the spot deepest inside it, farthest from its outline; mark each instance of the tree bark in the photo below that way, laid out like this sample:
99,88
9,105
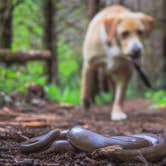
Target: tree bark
9,56
50,39
93,7
6,15
164,40
122,2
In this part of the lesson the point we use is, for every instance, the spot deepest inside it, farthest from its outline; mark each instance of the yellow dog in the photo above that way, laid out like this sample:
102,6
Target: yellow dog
114,37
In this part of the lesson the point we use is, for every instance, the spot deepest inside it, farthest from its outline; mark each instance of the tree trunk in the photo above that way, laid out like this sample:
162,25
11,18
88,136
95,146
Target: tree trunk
93,7
122,2
164,40
50,39
6,14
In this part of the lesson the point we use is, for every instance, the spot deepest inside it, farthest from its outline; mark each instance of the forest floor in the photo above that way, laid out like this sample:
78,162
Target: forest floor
16,124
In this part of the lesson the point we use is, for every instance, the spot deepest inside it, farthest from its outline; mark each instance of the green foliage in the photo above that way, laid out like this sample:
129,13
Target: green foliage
28,34
159,98
16,79
133,91
68,66
69,89
103,98
65,95
27,27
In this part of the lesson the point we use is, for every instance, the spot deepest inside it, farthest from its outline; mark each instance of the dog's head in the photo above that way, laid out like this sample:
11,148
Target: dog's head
127,32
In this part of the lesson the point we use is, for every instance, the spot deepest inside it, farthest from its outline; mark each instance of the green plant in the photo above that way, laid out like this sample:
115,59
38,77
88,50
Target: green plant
69,74
14,79
158,98
103,97
27,28
28,34
134,91
65,95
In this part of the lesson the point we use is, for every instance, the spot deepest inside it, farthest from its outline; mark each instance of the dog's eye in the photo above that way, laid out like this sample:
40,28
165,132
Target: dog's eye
125,34
140,32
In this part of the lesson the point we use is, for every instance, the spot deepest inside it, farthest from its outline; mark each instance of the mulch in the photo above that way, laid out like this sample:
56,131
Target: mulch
18,124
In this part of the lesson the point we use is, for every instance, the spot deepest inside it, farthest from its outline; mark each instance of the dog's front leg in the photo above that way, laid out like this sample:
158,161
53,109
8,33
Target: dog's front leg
86,86
120,90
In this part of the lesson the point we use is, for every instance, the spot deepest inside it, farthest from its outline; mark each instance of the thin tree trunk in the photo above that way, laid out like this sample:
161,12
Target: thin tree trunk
93,7
6,15
122,2
50,39
164,40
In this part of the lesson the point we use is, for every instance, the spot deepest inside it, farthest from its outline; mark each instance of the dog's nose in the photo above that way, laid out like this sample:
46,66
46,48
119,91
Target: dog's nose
136,50
136,53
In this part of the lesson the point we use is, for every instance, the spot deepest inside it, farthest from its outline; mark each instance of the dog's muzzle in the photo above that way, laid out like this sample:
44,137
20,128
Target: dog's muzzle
136,53
135,49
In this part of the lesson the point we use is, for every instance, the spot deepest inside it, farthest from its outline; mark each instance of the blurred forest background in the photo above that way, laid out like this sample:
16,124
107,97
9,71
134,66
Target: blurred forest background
50,34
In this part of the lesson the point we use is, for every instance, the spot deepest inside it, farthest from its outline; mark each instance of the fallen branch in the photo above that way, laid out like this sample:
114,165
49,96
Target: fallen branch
19,56
27,124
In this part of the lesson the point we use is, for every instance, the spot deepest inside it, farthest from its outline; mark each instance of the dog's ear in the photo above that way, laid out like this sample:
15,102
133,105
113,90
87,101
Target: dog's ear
148,22
110,27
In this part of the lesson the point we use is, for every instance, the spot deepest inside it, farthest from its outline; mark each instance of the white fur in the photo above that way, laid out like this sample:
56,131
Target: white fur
118,115
111,51
126,15
134,43
97,18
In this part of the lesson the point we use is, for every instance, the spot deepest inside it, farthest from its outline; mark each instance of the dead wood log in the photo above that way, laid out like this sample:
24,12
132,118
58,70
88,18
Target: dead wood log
8,56
25,124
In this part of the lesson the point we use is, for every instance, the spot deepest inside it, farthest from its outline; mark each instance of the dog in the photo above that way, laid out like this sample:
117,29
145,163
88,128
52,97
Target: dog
113,40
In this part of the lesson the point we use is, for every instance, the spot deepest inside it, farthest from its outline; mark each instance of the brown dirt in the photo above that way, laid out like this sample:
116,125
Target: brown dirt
18,124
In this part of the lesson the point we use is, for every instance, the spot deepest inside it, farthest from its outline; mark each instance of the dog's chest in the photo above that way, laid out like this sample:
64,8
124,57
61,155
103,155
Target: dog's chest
116,63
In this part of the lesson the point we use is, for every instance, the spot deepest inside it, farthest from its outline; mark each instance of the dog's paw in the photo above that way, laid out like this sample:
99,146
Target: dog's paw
118,115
